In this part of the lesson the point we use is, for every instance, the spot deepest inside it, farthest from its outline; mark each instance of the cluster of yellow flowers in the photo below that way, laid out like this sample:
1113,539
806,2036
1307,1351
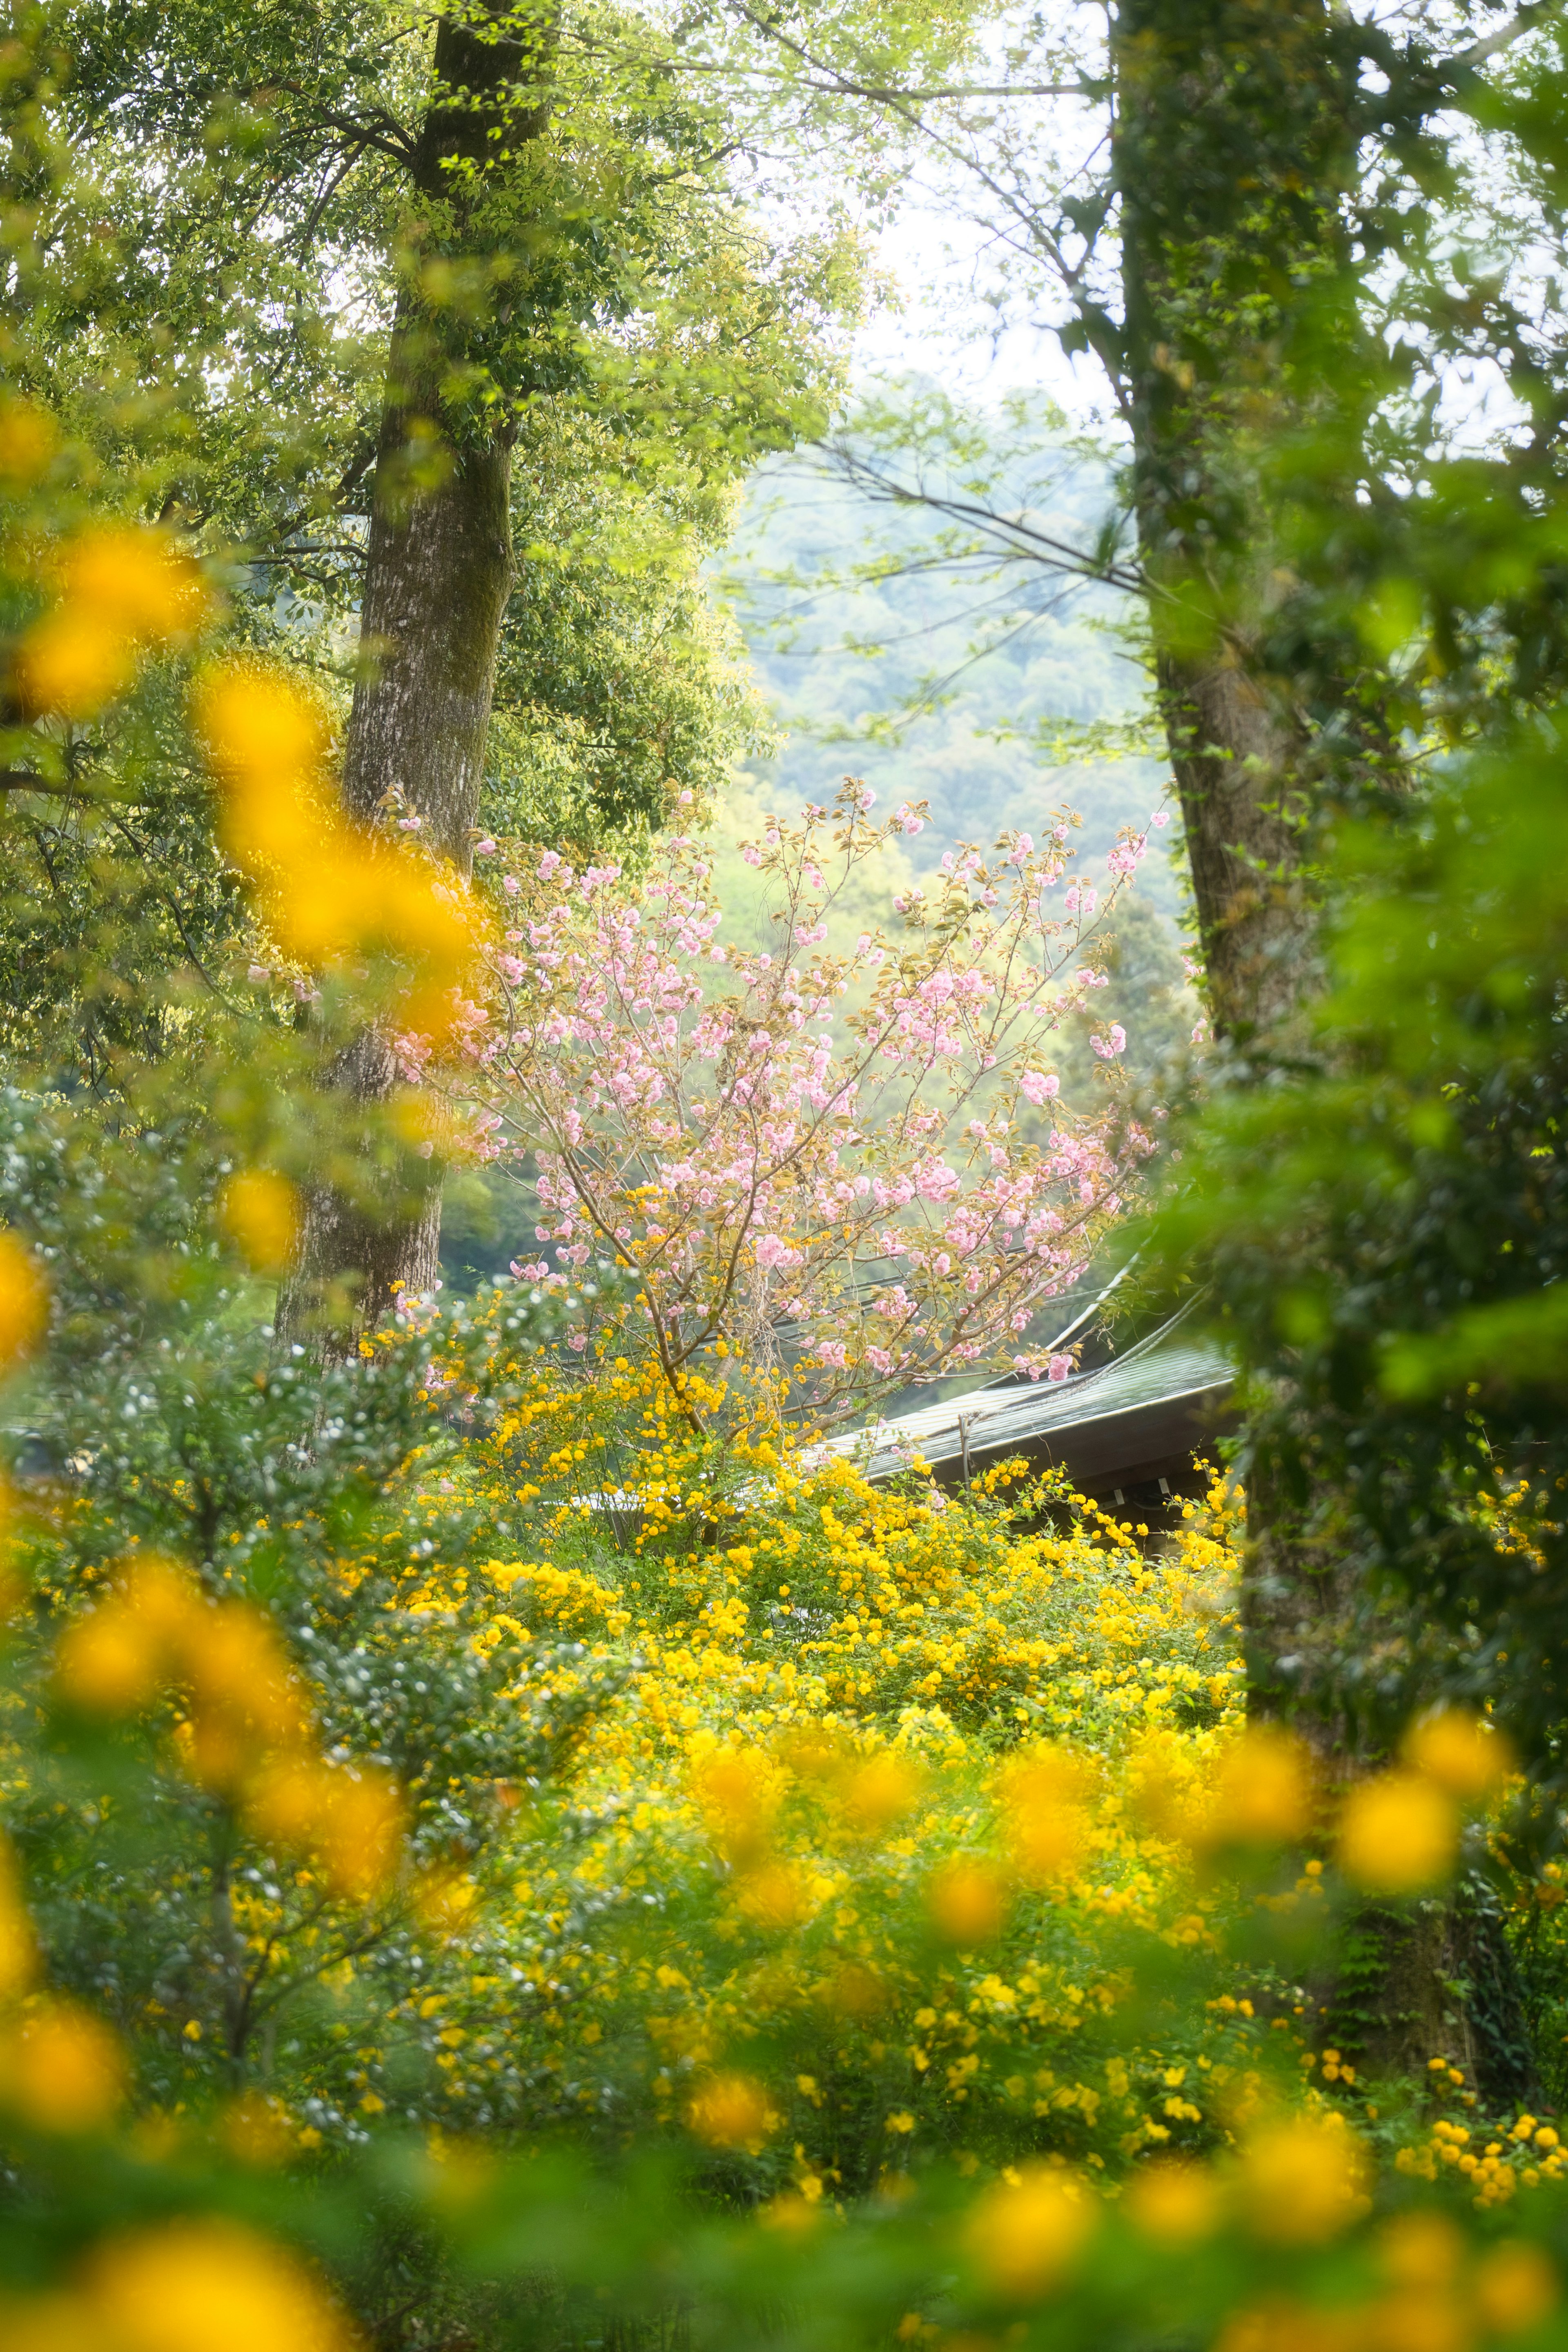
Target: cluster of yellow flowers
1526,2154
1431,2292
901,1787
121,591
330,894
187,2286
241,1727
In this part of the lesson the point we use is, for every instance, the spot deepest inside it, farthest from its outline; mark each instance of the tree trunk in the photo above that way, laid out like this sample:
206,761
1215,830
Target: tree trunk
1226,183
1230,144
1234,141
437,577
1236,757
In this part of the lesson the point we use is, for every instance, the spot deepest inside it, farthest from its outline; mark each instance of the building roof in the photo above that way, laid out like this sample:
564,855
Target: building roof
1126,1419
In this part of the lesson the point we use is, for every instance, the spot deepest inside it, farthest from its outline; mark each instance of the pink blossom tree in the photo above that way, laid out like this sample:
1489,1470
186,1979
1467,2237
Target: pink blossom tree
814,1163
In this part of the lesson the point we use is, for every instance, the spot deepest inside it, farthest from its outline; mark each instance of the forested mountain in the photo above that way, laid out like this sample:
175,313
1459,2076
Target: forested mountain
888,646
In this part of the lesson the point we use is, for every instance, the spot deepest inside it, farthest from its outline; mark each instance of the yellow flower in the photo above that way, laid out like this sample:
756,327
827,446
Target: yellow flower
1173,2203
794,2213
18,1950
29,439
62,2070
256,2130
1025,2236
261,1209
881,1792
446,1900
968,1902
732,2111
50,2323
349,1822
24,1301
1303,2180
134,581
112,1659
1515,2288
1398,1834
776,1895
1460,1752
124,587
262,733
72,662
193,2286
1421,2249
1263,1793
1043,1792
739,1792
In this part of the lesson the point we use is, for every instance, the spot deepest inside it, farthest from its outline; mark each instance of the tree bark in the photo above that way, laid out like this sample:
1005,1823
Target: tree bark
438,571
1233,144
1230,147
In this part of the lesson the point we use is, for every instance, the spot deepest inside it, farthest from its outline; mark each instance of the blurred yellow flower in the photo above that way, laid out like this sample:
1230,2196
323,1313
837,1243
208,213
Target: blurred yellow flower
62,2070
777,1896
968,1900
18,1948
29,439
50,2323
739,1791
1303,2179
1421,2249
210,2287
1263,1791
156,1629
1173,2203
329,890
349,1822
446,1900
113,1658
124,587
260,729
794,2215
1460,1753
732,2111
256,2130
24,1301
135,581
1046,1824
881,1792
261,1209
1025,2235
1515,2286
1398,1834
855,1991
71,662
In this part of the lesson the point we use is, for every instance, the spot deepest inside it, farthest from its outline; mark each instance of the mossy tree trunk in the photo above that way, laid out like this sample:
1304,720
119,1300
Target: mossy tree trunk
1234,150
437,575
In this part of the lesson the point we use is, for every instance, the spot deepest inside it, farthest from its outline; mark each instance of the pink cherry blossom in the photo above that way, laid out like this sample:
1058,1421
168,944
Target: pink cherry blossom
712,1124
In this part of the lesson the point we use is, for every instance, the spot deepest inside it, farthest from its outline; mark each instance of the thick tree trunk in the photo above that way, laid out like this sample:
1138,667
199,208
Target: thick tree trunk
438,576
1234,139
1236,757
1229,140
1205,138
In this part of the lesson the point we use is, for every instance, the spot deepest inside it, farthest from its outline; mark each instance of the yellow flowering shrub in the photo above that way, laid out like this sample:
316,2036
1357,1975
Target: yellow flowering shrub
870,1825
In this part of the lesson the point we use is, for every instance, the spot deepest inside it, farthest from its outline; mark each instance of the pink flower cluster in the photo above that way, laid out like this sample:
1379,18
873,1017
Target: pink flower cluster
811,1154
